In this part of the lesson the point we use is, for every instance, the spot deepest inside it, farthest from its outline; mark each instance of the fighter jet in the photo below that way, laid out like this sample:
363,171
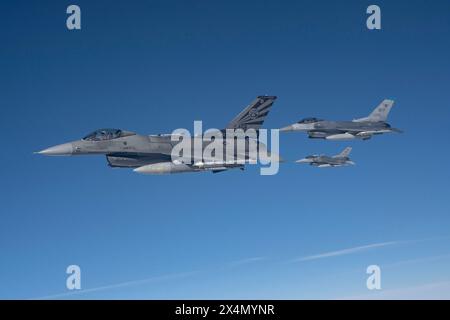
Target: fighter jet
363,128
151,154
323,161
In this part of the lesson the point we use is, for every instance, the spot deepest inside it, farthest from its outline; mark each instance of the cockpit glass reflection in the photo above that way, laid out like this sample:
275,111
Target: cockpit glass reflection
103,134
309,120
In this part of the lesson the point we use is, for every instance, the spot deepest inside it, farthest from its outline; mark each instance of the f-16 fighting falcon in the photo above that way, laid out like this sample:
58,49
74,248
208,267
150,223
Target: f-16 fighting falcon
152,154
363,128
323,161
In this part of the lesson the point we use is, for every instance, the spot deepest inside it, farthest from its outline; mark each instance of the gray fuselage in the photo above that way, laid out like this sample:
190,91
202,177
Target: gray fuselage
333,161
131,150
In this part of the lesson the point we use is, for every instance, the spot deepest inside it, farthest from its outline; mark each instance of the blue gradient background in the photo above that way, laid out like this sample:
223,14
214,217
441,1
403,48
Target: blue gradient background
154,66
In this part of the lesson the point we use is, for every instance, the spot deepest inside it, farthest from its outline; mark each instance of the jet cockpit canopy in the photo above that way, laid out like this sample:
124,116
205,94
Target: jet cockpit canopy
309,120
107,134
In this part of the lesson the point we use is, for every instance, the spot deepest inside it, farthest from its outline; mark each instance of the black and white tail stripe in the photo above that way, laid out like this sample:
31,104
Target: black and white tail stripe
253,116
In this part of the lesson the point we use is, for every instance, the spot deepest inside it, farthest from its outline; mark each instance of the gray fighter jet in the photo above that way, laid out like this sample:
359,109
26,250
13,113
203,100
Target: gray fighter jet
323,161
151,154
363,128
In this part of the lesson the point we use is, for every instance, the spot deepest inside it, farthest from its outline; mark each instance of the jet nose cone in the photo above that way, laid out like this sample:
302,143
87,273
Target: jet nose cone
288,128
65,149
305,160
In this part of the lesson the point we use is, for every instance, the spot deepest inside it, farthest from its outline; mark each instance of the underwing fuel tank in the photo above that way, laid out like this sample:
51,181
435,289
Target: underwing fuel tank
170,167
164,168
341,136
317,135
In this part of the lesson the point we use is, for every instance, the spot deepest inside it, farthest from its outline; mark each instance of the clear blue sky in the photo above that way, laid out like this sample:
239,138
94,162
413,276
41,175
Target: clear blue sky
154,66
